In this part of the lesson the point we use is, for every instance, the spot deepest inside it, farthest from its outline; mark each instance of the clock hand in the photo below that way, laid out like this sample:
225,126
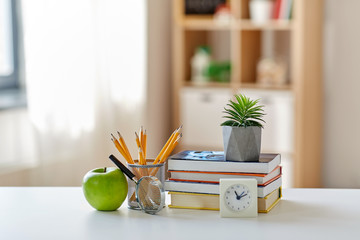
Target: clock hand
238,197
243,195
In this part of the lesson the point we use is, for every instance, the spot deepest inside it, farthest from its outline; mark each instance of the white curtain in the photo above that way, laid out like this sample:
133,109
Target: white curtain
85,74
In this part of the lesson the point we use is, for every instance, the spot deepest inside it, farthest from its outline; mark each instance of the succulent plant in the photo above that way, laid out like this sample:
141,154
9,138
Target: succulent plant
244,112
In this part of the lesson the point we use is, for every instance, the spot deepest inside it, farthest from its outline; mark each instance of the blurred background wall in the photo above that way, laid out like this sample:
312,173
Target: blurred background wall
341,98
85,75
159,19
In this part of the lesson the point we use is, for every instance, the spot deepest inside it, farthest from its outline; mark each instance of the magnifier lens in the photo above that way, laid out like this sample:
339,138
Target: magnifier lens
150,194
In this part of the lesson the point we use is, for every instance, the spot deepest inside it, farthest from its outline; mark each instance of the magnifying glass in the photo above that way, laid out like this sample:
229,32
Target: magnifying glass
148,190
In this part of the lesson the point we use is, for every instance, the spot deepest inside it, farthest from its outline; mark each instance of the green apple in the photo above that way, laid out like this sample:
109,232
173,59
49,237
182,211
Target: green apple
105,188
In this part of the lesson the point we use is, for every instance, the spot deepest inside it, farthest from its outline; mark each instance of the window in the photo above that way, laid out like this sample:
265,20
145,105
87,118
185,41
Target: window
9,74
11,93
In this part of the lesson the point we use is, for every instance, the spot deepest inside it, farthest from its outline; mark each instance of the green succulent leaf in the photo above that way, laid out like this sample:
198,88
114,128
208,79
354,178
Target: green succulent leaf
230,123
243,112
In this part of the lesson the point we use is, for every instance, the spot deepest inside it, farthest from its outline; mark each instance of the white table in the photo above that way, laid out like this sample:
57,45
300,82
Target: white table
63,213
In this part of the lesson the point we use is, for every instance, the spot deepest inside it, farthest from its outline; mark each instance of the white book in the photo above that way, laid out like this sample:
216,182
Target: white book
213,161
197,176
213,188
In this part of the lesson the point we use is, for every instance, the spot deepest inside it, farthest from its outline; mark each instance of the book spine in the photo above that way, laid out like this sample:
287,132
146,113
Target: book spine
209,188
211,202
181,165
216,181
289,9
215,176
182,162
277,9
265,190
283,9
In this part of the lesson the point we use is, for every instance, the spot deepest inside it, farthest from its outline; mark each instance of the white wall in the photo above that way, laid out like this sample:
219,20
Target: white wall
342,96
341,87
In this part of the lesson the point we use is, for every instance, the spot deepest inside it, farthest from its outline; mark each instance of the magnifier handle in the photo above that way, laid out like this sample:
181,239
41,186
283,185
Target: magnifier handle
122,167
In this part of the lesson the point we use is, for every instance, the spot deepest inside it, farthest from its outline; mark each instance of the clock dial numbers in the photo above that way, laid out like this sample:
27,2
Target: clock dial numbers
237,197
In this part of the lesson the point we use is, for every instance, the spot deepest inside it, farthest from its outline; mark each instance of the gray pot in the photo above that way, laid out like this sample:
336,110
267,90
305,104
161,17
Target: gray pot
242,144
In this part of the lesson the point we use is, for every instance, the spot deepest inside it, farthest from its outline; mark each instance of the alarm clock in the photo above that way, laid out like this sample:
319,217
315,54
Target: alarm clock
238,197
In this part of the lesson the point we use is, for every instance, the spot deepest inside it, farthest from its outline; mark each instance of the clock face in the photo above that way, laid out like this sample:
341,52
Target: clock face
237,197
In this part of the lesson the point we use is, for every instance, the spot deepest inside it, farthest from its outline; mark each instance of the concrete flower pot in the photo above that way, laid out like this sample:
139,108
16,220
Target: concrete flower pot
242,144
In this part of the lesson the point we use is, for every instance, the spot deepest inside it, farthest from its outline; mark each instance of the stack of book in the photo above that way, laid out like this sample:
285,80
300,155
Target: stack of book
195,176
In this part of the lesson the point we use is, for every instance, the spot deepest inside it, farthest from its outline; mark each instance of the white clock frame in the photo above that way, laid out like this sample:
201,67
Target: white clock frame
251,210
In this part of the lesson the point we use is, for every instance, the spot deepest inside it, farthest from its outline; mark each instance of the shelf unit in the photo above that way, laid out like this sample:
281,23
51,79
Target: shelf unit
304,35
246,24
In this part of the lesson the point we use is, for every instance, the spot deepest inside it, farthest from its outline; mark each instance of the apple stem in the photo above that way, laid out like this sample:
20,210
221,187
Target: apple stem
104,169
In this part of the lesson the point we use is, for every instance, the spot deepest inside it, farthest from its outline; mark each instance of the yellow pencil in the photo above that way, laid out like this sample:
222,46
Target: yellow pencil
141,135
166,155
141,156
123,144
170,149
157,159
144,144
174,138
170,141
120,149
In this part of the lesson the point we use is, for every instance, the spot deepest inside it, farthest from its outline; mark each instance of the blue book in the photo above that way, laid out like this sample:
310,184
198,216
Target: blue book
214,161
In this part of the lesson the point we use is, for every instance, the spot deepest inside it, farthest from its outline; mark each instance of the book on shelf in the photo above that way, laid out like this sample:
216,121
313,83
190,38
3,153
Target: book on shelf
214,161
214,177
213,188
211,201
283,9
276,9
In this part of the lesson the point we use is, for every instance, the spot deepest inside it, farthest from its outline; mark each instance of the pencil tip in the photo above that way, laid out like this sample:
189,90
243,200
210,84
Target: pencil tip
119,134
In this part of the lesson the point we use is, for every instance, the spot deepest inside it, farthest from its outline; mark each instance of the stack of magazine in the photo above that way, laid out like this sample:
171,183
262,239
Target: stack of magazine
195,175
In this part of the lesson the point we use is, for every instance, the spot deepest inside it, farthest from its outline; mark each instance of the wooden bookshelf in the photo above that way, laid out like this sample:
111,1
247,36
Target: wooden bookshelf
208,24
275,25
285,87
207,84
304,36
204,25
